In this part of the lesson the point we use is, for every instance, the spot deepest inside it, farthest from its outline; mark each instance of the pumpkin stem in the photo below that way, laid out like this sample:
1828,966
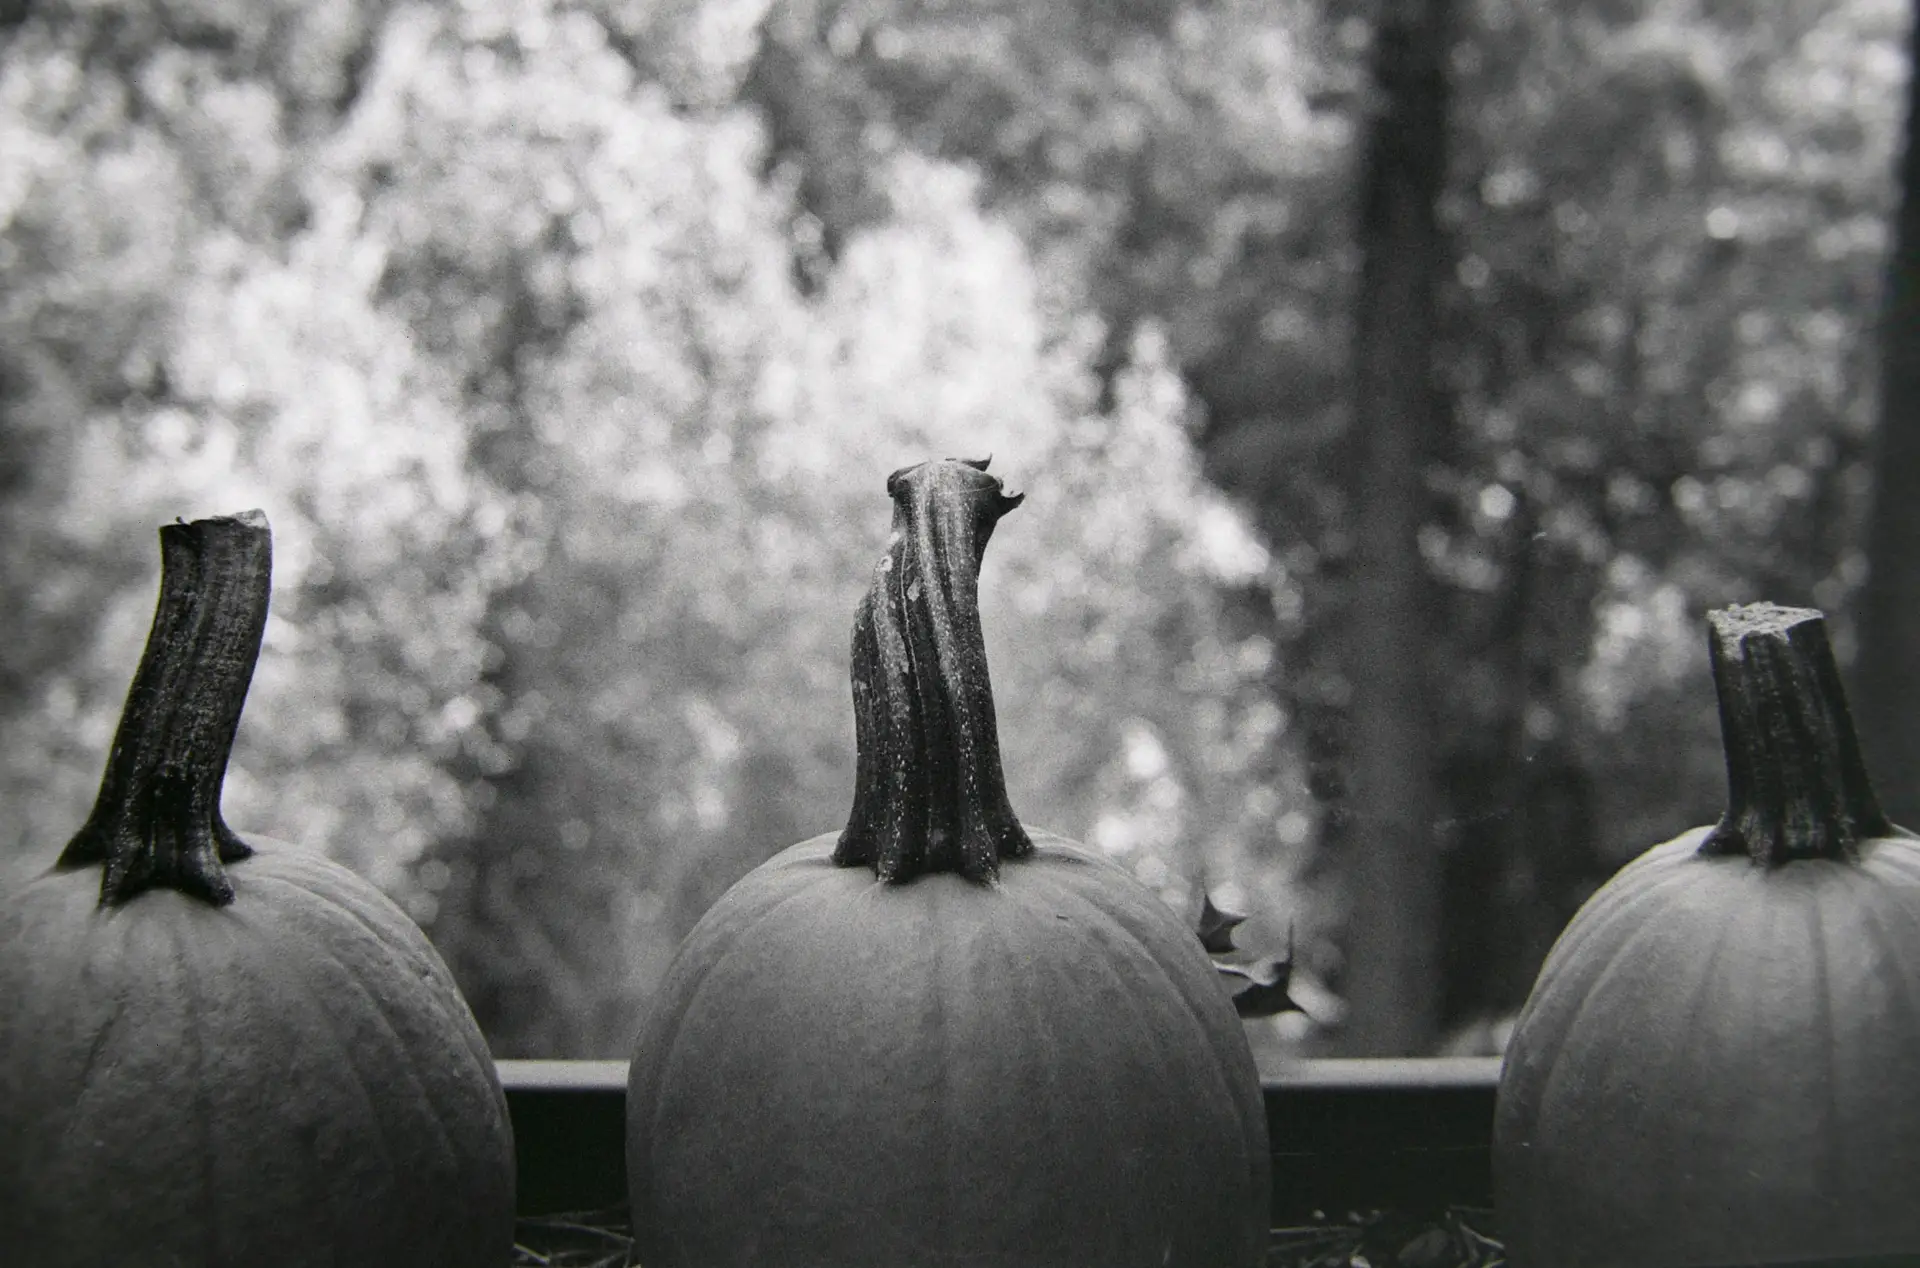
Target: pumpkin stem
157,819
929,794
1796,785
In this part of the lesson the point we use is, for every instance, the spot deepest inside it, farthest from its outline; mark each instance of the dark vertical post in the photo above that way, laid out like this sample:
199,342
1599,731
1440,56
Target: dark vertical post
1392,981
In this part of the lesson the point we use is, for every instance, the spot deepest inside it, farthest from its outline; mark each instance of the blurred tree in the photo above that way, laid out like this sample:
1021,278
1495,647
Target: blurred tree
574,487
565,342
1385,825
700,443
1174,166
1887,674
1666,223
189,328
1669,221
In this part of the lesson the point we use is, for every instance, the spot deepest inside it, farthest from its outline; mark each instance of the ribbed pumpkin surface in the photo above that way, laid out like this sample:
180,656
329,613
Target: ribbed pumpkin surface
288,1080
1042,1072
1719,1055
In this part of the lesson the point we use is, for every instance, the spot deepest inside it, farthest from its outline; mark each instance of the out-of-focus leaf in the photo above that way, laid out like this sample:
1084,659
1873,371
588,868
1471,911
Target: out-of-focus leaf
1260,988
1216,927
1265,993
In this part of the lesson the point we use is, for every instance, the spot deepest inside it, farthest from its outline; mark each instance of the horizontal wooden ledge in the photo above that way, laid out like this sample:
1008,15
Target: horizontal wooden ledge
563,1076
1380,1073
1384,1073
1345,1135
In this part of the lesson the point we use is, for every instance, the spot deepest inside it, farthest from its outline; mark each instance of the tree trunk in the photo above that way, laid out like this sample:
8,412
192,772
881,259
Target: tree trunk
1887,672
1392,982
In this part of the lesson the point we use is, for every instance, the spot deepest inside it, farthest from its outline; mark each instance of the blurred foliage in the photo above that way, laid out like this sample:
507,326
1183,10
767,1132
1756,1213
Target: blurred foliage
575,491
568,345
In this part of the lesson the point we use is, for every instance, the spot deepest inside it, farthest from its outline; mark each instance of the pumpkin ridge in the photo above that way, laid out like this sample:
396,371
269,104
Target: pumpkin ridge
1094,935
1828,1160
366,909
1909,993
426,1091
74,1106
1569,1026
1613,907
420,1091
95,1046
1143,953
75,1121
295,870
1216,1069
1046,1034
1705,968
1904,998
1898,854
1549,1110
1245,1109
293,874
294,973
191,1039
946,1142
295,970
258,980
344,907
689,997
1043,1036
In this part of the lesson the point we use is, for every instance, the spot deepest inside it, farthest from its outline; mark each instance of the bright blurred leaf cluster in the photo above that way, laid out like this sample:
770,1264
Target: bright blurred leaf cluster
568,345
574,486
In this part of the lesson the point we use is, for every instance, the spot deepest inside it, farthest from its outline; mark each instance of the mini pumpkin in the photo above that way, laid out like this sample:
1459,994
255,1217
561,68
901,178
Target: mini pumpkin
937,1037
1716,1063
218,1052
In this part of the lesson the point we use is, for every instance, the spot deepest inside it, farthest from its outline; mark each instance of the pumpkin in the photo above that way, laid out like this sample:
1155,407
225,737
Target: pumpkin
216,1051
936,1037
1717,1063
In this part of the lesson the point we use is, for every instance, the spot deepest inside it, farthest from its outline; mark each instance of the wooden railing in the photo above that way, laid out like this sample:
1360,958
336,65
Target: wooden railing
1346,1135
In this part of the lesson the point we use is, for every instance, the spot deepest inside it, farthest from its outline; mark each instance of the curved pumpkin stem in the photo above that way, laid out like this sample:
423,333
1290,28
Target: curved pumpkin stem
156,821
1797,787
929,793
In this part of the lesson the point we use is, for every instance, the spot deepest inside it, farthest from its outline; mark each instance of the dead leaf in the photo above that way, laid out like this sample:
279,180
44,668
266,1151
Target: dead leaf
1217,926
1265,993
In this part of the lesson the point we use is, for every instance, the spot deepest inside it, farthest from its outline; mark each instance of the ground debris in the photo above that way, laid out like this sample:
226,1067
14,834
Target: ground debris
573,1239
1449,1238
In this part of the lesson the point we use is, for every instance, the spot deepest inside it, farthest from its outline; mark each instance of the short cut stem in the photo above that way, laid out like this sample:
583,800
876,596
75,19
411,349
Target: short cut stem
1797,787
156,822
929,792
